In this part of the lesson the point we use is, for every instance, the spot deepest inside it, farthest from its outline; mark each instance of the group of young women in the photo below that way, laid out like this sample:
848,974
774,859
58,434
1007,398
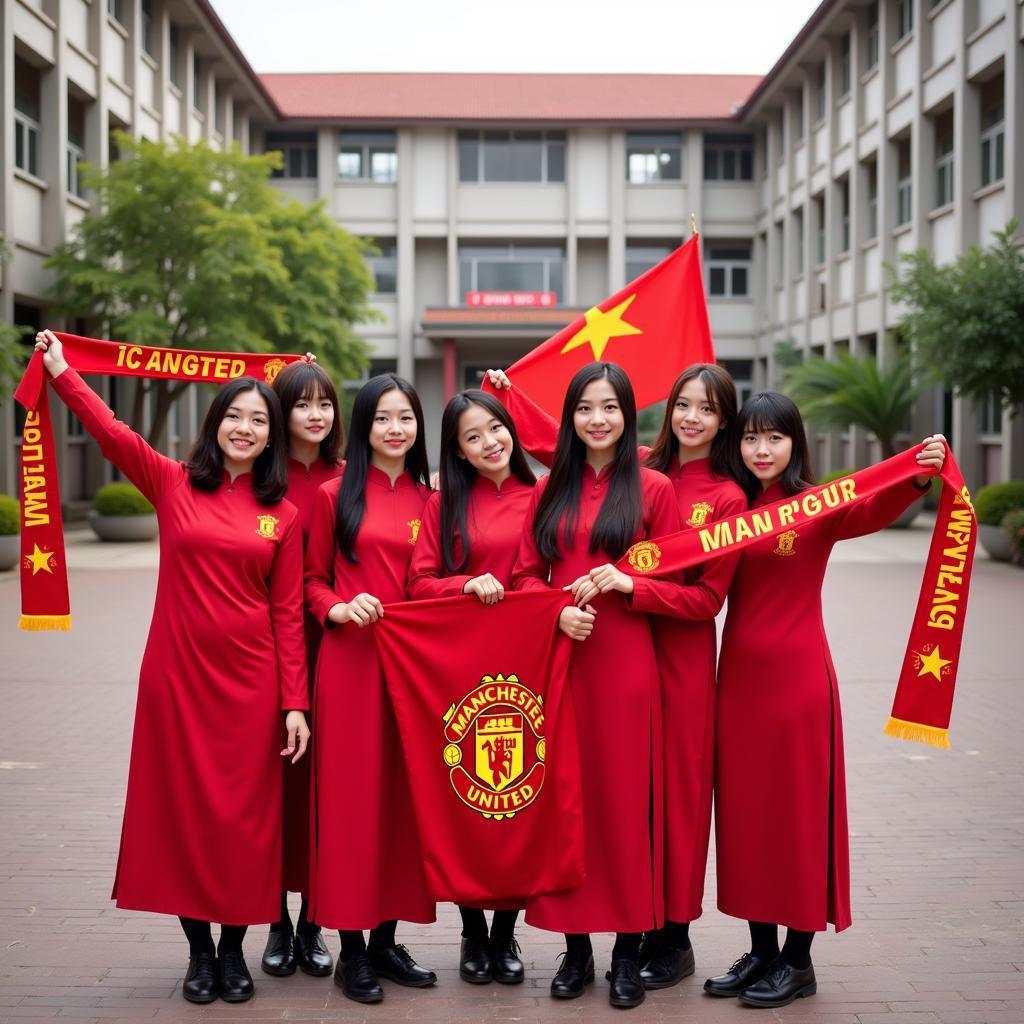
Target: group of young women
215,832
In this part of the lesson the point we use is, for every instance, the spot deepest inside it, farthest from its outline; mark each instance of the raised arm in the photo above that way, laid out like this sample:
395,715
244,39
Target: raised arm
538,432
426,570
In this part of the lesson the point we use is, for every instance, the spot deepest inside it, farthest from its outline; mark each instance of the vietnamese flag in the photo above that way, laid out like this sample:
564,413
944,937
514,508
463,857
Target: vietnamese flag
489,739
654,328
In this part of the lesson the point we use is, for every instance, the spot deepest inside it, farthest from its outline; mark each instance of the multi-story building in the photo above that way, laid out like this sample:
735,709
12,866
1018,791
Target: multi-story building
501,206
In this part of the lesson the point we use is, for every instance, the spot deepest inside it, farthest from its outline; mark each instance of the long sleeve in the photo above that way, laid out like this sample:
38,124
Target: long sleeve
286,619
661,518
319,592
532,571
426,578
150,471
538,432
876,512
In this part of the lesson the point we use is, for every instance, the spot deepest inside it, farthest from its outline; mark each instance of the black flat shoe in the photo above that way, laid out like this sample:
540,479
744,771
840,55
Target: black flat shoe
506,964
780,986
667,967
576,972
279,955
748,970
627,987
311,953
357,980
475,961
200,985
397,965
235,980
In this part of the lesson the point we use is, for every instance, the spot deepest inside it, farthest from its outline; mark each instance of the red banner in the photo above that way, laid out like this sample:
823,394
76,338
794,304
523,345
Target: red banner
489,737
514,300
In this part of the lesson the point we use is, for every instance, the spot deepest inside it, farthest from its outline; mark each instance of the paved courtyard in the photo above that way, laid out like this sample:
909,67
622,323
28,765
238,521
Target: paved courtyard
937,836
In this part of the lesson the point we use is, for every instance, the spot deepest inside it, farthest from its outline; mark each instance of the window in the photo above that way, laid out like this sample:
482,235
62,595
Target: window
115,8
844,64
384,266
26,117
990,414
844,215
871,54
197,92
871,171
903,183
820,247
742,373
367,156
780,252
728,269
798,116
780,138
76,146
218,108
174,68
148,41
728,158
820,84
992,129
641,256
299,153
511,268
653,156
944,159
798,241
904,18
512,156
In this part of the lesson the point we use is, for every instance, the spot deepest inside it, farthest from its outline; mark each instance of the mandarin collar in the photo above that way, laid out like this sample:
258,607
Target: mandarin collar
696,467
242,480
601,478
381,479
485,485
770,494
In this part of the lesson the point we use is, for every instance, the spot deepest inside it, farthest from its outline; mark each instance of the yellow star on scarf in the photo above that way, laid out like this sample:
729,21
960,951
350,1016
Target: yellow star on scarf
933,662
40,560
601,327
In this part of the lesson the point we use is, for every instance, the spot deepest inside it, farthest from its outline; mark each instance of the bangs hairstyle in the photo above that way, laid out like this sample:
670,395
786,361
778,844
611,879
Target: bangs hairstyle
761,414
721,392
358,455
621,513
311,382
456,475
270,471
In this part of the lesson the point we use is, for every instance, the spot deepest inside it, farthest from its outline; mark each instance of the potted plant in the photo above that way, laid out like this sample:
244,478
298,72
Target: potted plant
121,513
10,541
991,504
1013,524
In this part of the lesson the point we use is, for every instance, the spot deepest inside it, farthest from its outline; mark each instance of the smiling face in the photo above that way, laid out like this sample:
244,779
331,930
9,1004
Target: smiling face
393,432
695,421
766,453
244,431
484,442
598,418
311,419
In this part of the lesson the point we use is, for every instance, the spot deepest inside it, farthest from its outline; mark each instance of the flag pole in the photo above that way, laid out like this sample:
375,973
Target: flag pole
693,223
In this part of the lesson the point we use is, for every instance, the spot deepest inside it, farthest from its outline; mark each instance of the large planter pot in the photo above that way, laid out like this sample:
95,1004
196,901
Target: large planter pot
10,550
996,541
907,516
123,528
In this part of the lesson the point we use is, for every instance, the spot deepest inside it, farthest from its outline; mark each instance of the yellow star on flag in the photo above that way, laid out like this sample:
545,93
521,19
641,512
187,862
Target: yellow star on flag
40,560
601,327
933,662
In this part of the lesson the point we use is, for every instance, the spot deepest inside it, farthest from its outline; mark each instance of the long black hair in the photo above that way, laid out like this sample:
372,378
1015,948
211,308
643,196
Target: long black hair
311,382
456,476
270,470
352,494
761,413
621,513
721,391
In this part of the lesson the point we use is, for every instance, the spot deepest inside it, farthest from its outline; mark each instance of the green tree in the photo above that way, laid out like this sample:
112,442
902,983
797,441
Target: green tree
966,318
12,351
846,391
188,247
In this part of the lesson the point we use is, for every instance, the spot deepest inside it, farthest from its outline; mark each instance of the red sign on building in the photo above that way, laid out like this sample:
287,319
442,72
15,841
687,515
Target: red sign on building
513,299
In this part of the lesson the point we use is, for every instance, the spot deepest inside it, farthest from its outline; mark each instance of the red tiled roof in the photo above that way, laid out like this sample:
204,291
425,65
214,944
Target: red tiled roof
396,98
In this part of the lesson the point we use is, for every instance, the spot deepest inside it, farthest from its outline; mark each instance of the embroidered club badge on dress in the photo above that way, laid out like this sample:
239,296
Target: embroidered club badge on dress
699,513
266,526
786,541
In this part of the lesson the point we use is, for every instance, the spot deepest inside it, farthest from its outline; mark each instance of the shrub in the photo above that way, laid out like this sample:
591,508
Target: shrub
121,500
8,516
1013,523
992,502
835,475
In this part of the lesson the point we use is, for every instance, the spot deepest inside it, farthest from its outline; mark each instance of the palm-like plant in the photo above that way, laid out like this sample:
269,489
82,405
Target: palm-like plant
847,391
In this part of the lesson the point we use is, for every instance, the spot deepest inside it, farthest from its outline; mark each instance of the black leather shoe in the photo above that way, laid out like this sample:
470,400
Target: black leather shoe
666,967
279,955
780,986
311,953
475,961
235,980
506,964
201,978
397,965
576,972
356,978
748,970
627,987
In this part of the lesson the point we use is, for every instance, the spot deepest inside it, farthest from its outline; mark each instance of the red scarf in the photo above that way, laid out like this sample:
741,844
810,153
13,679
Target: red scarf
44,579
924,695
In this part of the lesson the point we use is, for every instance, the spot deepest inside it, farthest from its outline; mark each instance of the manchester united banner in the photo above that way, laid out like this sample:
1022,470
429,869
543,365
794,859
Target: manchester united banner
489,735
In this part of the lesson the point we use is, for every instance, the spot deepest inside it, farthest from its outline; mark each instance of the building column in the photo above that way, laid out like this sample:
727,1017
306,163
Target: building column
450,369
616,211
406,256
571,242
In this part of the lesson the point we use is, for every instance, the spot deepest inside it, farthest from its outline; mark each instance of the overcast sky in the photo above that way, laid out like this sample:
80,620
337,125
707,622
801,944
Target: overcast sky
666,36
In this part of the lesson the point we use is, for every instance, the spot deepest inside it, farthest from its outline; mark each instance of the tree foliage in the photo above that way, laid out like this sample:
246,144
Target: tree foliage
966,319
189,247
12,350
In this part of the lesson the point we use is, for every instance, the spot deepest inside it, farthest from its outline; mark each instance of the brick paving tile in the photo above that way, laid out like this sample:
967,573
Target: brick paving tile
936,846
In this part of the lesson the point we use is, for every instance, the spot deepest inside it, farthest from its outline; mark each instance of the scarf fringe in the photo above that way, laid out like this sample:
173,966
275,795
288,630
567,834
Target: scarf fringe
917,733
39,623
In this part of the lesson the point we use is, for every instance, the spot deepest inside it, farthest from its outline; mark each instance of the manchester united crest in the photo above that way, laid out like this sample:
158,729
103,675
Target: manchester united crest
495,747
699,512
266,526
644,556
414,530
271,368
786,541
